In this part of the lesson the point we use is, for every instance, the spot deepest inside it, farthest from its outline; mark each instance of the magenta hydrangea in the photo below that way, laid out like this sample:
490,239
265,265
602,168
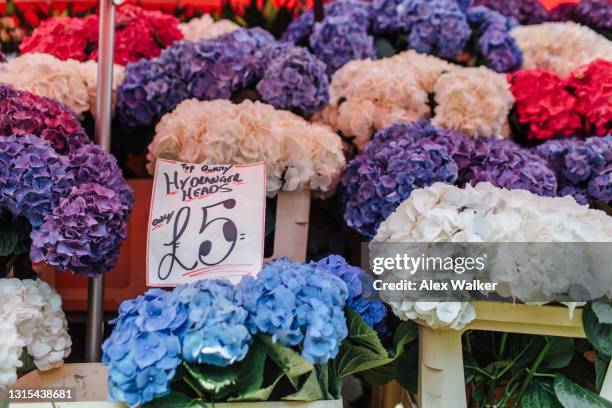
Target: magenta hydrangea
23,113
33,177
83,233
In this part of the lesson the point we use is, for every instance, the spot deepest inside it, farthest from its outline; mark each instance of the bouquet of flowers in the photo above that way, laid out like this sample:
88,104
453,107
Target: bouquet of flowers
526,12
548,106
69,82
218,338
366,96
200,70
583,167
73,196
139,34
542,49
444,213
297,154
32,322
205,28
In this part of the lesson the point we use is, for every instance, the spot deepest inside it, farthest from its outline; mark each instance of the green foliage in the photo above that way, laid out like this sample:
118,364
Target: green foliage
595,318
272,18
572,395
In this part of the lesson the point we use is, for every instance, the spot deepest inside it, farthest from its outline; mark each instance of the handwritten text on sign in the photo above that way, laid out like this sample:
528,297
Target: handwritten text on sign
206,221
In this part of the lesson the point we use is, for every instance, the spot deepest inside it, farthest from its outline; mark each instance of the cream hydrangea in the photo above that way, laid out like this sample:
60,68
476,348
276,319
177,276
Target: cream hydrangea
31,316
298,154
560,47
70,82
205,28
476,101
487,214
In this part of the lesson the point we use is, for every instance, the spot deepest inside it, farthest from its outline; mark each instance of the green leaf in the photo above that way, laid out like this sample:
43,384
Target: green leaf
384,48
261,394
309,391
360,334
560,353
603,311
174,400
8,241
217,381
251,369
599,334
288,360
571,395
540,394
602,363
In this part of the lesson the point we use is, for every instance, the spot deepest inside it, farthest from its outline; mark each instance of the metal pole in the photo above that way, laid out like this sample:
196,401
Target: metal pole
95,286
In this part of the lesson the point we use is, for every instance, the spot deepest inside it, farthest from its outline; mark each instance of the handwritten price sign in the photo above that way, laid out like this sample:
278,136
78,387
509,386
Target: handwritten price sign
206,221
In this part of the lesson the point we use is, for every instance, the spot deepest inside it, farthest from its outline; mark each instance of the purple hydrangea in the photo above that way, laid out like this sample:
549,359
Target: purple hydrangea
495,45
505,164
90,164
150,89
361,294
33,177
297,305
595,13
437,27
23,113
583,167
83,233
302,27
398,160
338,40
387,16
524,11
295,81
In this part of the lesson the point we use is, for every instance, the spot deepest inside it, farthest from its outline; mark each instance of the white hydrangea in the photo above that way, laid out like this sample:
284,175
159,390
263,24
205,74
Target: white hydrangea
205,28
31,316
70,82
560,47
476,101
298,154
487,214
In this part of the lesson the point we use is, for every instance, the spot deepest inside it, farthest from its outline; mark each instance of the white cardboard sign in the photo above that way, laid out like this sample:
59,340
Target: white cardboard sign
206,221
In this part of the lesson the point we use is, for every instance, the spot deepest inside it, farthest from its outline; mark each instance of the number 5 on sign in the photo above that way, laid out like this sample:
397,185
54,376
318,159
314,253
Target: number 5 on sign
206,221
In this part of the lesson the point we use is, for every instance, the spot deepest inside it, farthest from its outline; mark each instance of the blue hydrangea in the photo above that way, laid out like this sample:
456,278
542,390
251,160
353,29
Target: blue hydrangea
437,27
495,45
155,332
297,304
294,80
583,167
361,294
338,40
397,160
33,177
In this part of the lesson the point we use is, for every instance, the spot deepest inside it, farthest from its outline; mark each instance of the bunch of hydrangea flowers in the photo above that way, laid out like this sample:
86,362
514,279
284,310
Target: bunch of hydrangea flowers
596,14
69,82
524,11
76,200
361,295
397,161
297,304
218,69
549,106
542,49
440,214
23,113
139,34
204,27
298,154
583,167
197,323
494,44
31,317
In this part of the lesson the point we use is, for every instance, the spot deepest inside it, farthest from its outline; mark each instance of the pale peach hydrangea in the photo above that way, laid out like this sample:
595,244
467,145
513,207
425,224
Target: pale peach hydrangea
201,28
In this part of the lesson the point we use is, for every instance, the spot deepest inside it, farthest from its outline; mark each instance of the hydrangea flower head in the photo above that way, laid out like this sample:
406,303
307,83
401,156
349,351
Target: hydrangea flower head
524,11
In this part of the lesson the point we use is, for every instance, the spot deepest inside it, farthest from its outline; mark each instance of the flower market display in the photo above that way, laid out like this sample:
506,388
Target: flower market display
32,322
70,82
139,34
71,192
298,154
438,214
299,317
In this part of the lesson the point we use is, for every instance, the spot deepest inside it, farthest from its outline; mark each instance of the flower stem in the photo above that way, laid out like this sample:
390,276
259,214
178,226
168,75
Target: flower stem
532,371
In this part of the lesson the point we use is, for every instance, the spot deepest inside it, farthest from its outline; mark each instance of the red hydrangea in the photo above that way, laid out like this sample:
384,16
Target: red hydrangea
544,106
592,86
139,34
